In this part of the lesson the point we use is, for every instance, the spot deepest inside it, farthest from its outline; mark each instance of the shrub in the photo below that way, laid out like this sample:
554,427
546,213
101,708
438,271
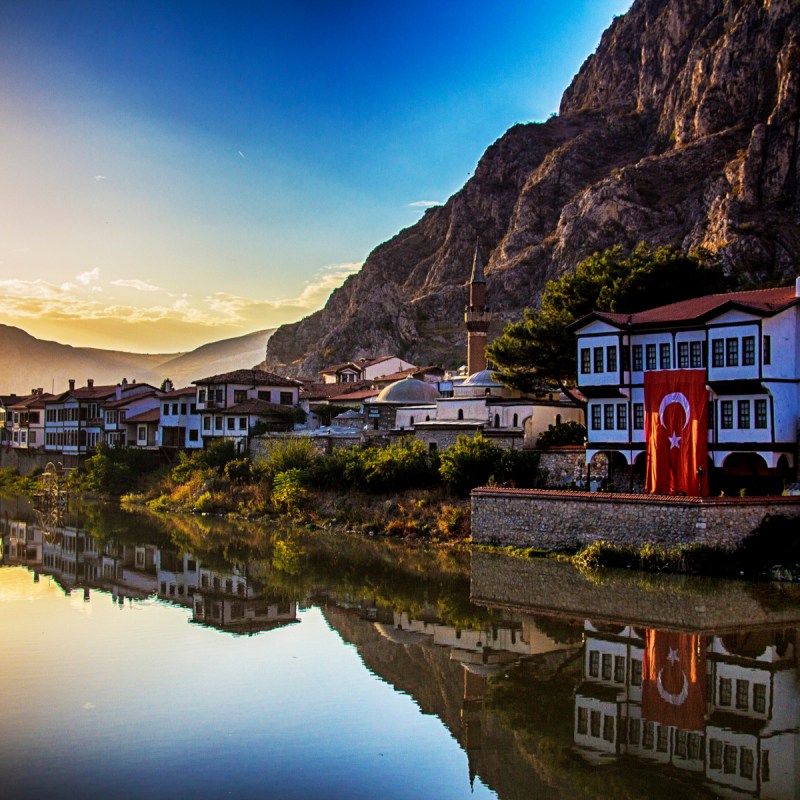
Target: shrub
115,470
239,470
564,433
288,493
469,463
294,453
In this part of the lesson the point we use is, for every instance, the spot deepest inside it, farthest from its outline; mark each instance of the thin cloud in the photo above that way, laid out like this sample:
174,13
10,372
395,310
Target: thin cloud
99,178
140,286
242,154
424,204
86,278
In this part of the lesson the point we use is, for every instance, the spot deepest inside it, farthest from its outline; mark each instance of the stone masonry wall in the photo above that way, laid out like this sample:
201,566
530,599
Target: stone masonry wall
552,520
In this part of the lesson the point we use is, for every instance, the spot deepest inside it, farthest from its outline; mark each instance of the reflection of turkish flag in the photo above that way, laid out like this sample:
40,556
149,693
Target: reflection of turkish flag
676,426
674,681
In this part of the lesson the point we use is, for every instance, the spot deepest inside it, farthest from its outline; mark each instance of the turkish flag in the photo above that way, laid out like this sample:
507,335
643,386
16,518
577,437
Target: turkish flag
674,679
676,427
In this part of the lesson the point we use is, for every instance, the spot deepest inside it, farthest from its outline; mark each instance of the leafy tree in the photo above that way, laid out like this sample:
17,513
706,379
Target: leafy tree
470,462
565,433
538,352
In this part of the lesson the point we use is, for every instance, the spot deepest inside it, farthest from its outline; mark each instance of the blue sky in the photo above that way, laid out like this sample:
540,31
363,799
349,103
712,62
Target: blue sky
179,172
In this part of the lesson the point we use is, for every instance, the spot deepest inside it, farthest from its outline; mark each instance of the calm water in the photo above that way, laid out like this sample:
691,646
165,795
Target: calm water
193,658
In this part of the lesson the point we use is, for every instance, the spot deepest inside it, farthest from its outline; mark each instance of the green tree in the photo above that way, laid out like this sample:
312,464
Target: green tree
538,352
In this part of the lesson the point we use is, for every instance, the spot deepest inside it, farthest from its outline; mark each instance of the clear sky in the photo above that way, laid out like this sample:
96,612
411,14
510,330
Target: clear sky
173,173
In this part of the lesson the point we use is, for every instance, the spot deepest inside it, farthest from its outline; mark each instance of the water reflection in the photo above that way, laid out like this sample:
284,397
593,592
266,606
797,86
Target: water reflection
553,684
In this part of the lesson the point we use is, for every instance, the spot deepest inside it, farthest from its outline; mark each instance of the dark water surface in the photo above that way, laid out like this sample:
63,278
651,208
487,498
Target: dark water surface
193,658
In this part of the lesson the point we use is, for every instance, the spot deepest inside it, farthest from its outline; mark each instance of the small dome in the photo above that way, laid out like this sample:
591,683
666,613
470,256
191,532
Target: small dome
409,391
482,378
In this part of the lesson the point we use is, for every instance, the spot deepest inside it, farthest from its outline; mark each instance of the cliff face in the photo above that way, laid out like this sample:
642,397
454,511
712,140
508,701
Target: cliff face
681,129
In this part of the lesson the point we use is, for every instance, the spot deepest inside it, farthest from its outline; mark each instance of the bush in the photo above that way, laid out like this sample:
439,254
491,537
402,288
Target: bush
294,453
288,493
116,470
565,433
469,463
239,471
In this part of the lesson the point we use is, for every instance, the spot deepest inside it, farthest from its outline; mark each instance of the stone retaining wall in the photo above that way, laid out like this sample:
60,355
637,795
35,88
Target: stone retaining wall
552,520
26,461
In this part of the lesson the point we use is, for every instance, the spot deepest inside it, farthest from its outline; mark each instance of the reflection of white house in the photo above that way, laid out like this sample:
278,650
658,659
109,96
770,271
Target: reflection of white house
750,745
748,343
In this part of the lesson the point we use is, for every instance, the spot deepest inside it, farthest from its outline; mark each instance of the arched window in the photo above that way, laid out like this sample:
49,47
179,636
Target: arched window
427,418
461,413
411,422
558,419
516,421
497,420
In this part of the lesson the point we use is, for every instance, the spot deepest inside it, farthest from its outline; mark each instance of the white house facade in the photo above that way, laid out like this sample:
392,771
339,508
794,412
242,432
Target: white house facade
747,344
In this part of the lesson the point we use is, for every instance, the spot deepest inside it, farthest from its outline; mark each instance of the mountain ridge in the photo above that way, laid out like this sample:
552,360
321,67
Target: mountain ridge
681,129
29,362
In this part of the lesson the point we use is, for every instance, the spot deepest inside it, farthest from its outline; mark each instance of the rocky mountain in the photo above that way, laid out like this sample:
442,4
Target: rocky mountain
28,362
681,129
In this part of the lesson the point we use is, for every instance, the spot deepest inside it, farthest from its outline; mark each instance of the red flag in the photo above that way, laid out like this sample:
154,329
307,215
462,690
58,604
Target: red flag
674,680
676,427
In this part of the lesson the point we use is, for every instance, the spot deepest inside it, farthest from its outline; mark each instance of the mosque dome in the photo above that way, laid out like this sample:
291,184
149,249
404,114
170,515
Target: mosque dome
482,379
408,391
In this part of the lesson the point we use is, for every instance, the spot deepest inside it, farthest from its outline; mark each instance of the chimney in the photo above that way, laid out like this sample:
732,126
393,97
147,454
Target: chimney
124,382
90,382
72,384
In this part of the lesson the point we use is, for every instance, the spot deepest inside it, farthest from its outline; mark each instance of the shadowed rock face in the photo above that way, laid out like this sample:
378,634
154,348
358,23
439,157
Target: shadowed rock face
681,129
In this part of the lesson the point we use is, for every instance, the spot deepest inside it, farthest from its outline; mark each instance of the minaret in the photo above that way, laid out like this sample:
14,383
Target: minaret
477,317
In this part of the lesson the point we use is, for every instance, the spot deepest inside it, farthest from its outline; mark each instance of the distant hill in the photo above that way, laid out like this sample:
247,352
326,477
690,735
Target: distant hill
27,362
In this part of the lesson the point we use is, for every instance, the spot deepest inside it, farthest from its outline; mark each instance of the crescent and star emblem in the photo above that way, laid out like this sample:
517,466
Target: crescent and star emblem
673,699
681,399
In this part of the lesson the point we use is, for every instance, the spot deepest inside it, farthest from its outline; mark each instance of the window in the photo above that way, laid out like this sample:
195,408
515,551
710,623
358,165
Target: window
586,360
695,746
231,423
606,666
206,423
732,352
634,730
761,413
715,754
194,435
217,423
622,417
696,360
598,359
663,739
583,720
760,698
636,672
681,744
183,408
742,695
767,357
727,414
596,414
461,413
743,408
165,410
638,416
717,352
748,351
724,692
665,355
242,423
608,728
174,409
637,358
596,715
201,396
594,663
286,398
32,437
619,669
611,359
239,395
608,417
141,433
683,355
729,759
647,737
746,762
650,352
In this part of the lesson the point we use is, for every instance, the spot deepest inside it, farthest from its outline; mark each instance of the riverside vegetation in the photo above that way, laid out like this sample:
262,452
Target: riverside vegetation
399,490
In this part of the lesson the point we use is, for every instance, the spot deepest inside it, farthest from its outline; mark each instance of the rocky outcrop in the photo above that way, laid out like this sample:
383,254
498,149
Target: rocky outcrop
682,129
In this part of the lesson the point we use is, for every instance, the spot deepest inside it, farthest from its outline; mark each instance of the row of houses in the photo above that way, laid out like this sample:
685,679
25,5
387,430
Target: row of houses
230,405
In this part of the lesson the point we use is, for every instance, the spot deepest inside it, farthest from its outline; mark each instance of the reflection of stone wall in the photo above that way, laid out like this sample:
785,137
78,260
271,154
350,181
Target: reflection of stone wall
551,519
542,585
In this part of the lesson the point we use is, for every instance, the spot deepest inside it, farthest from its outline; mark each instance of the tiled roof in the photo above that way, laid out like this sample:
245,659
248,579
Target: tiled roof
328,391
249,377
337,367
363,394
186,390
414,372
93,393
253,406
763,302
32,401
151,415
128,400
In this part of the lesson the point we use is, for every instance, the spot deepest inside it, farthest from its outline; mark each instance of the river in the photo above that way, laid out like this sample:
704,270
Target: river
192,657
